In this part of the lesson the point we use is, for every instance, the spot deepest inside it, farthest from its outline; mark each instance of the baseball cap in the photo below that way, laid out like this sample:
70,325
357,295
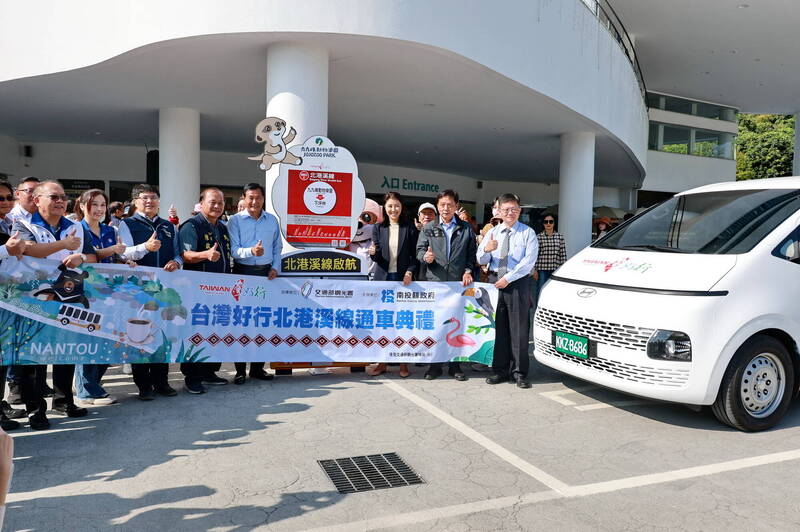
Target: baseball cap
426,206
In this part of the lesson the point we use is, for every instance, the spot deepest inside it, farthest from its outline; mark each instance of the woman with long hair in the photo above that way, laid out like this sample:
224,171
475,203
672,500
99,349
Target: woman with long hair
92,211
393,250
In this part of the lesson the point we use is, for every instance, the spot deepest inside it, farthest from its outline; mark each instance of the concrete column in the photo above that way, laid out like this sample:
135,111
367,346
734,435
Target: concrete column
576,189
297,92
796,159
179,159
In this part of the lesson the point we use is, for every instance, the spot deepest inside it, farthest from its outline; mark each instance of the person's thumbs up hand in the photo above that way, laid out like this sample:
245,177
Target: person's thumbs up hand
213,254
429,256
491,244
258,249
153,243
15,246
119,248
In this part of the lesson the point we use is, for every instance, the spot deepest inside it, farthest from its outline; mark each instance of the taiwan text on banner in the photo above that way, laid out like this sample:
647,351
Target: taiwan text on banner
103,313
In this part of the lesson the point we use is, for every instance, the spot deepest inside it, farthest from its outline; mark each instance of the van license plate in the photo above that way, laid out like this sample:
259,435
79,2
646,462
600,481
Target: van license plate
570,344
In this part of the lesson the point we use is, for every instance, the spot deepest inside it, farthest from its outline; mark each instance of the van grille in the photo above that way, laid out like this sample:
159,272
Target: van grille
604,332
621,370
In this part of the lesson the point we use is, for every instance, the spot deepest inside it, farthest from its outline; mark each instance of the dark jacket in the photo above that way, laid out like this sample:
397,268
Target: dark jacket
206,236
406,250
463,249
142,229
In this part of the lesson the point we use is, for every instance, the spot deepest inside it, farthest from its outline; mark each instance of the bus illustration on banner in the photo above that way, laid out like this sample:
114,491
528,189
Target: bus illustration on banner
69,315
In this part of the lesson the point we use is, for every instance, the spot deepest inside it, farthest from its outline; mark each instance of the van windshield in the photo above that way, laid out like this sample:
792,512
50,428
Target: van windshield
724,222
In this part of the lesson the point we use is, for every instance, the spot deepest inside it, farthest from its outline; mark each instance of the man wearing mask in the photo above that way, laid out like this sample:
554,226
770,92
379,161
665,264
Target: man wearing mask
255,245
52,236
206,248
155,242
447,247
510,249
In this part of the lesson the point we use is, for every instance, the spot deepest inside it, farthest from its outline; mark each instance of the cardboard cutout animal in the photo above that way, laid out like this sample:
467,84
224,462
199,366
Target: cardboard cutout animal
68,288
271,131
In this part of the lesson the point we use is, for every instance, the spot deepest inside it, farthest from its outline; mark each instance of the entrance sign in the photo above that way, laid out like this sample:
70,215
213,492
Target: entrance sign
112,314
318,200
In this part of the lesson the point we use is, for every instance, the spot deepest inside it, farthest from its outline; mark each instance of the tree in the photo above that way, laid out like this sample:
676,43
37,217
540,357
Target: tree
764,146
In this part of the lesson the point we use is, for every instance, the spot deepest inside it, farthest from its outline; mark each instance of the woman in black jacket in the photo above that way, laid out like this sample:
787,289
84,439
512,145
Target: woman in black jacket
393,250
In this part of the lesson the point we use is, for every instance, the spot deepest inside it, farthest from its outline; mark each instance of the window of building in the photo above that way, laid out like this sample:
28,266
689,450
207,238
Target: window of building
676,139
690,141
690,107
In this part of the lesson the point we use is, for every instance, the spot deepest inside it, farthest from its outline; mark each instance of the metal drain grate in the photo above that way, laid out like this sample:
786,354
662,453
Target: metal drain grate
372,472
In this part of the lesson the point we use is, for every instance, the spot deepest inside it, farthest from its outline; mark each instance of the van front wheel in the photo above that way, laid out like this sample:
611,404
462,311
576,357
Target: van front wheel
755,391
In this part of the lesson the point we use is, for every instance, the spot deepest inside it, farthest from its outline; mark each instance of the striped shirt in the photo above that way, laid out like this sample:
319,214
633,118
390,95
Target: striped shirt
552,252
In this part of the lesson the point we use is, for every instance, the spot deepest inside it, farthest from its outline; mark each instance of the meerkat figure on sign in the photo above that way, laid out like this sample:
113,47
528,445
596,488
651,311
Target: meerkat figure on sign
272,132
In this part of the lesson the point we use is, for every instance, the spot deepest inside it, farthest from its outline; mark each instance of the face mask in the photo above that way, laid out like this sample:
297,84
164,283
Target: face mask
495,213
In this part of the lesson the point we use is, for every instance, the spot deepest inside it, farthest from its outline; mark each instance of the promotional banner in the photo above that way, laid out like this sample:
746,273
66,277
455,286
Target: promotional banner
108,313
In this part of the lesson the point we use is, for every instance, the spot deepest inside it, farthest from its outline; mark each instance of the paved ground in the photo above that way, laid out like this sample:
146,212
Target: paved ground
561,456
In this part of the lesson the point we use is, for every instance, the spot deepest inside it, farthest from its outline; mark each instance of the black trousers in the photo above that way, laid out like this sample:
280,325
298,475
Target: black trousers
31,379
195,372
512,322
149,376
259,271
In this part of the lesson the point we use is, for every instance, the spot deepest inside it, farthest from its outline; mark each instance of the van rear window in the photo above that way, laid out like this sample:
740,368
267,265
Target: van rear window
724,222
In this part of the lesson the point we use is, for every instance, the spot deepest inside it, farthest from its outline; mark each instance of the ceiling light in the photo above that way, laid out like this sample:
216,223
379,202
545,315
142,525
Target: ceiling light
743,6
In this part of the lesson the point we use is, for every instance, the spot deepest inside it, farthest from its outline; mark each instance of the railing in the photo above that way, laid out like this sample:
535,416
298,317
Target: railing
608,18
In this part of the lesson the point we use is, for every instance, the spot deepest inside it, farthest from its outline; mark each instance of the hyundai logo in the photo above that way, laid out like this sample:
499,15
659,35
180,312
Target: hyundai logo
586,292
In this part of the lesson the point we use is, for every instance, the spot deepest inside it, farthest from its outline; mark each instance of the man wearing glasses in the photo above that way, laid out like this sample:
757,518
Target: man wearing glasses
52,236
510,249
153,242
25,206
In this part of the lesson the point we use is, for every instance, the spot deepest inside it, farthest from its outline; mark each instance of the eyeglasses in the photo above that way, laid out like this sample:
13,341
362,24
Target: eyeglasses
9,197
512,210
54,197
549,222
148,198
28,191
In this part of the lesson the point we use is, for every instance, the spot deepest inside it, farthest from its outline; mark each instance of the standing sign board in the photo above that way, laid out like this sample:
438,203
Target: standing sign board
318,198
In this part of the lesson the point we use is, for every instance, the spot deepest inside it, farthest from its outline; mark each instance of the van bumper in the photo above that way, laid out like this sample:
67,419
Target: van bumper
620,323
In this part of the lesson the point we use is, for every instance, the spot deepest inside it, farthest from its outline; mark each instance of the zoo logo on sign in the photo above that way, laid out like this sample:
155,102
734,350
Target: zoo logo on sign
318,141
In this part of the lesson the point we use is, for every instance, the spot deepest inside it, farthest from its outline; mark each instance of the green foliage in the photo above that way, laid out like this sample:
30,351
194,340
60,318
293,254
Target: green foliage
764,146
676,148
190,355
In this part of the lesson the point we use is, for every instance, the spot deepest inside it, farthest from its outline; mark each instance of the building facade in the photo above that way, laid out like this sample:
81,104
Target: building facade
545,99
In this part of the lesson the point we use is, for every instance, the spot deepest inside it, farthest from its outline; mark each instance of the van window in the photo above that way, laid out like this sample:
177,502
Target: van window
724,222
789,249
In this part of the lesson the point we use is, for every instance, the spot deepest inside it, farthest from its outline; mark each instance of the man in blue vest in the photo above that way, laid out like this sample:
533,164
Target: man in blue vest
206,248
155,243
52,236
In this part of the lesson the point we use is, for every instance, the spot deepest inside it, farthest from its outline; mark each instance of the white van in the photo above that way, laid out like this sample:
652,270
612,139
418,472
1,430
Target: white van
695,301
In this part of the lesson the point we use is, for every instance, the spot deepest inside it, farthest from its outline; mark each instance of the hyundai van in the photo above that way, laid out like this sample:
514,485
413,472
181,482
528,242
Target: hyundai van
694,301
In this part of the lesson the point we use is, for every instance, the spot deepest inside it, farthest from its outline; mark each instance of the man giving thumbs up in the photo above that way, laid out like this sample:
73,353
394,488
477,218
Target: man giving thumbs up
256,246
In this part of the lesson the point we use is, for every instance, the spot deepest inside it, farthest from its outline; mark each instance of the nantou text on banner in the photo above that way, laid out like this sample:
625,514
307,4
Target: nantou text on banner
103,313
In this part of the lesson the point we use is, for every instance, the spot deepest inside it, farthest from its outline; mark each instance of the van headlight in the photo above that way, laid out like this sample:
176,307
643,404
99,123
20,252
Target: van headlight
670,345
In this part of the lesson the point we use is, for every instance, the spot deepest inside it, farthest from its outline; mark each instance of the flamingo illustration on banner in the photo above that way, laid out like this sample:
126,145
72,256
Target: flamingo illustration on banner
458,340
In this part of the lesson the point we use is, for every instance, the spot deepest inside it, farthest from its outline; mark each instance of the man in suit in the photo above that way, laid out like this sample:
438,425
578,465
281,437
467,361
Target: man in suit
510,249
447,247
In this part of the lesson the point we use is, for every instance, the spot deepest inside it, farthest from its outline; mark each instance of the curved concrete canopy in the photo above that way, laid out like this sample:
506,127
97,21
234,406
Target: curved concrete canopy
425,107
741,53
